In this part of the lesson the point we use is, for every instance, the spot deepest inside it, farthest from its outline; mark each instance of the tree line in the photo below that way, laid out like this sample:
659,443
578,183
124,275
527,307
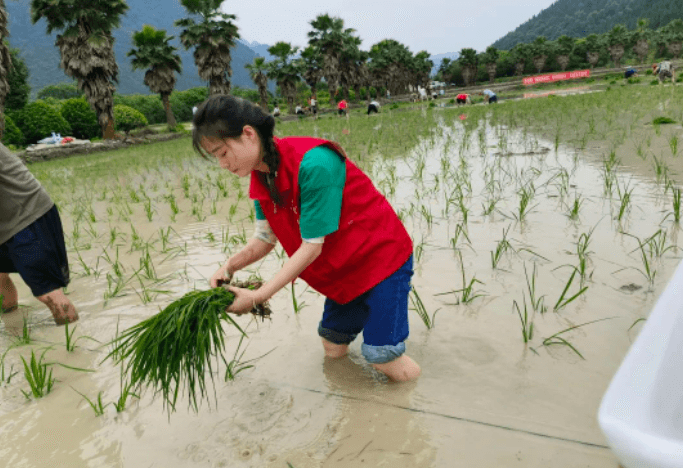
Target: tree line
332,57
543,55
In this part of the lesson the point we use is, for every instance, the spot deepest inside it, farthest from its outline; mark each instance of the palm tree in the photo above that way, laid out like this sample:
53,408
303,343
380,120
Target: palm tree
389,60
593,47
521,54
640,38
155,53
257,73
313,67
468,62
539,52
490,59
565,47
422,67
213,37
348,60
444,70
5,65
285,71
617,38
330,37
86,48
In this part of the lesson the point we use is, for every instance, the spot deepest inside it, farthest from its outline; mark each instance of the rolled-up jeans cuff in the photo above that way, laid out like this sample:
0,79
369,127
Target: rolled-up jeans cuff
382,354
335,336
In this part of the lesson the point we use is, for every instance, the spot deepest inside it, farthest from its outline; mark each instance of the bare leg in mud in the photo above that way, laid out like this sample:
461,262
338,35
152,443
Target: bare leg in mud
401,369
10,299
61,307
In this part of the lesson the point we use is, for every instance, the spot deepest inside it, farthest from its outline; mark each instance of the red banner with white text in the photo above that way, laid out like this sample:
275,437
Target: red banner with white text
556,77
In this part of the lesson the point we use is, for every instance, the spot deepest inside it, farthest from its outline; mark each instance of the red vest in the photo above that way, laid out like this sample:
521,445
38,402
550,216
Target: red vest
371,242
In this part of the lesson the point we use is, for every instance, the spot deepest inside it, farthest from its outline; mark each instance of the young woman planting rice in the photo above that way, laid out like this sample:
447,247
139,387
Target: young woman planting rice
342,236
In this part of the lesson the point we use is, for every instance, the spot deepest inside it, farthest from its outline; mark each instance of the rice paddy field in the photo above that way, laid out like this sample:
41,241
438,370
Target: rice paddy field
544,230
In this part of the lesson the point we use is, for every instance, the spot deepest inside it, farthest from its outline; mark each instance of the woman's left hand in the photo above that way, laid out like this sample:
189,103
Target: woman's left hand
245,300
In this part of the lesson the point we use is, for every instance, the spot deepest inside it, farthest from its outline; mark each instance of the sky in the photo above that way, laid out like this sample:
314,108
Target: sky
438,27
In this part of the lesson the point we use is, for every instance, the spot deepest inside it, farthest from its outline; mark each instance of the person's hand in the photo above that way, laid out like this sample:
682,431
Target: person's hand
245,300
222,275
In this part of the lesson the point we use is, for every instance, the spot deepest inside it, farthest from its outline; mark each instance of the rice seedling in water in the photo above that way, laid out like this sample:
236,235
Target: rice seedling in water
676,200
563,301
660,168
575,208
648,271
502,247
419,307
460,230
149,210
6,376
467,293
38,377
526,195
98,405
527,322
295,303
556,339
175,348
673,144
536,302
70,341
624,200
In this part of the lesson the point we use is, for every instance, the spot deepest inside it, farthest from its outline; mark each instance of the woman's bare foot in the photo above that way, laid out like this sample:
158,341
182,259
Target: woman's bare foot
401,369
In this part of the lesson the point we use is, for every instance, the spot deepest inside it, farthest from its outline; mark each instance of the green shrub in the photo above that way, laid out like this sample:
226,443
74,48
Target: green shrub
395,105
654,82
82,118
60,91
431,104
127,118
38,120
452,101
148,105
648,71
12,135
183,101
632,80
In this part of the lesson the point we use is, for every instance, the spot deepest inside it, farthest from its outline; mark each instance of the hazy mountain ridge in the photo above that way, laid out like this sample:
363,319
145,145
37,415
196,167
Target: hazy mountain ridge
578,18
42,56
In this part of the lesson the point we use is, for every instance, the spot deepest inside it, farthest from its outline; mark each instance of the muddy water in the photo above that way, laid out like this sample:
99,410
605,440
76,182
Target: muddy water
485,397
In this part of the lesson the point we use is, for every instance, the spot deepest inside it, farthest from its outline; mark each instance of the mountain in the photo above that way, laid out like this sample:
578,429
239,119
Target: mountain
439,57
578,18
260,49
42,56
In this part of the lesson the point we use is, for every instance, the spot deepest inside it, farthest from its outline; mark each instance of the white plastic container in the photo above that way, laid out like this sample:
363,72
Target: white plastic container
641,413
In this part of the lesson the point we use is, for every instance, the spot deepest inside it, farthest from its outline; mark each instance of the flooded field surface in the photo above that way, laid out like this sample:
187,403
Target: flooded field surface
537,257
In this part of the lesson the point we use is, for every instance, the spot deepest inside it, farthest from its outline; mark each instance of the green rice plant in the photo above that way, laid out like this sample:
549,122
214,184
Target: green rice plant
115,287
624,200
526,194
536,302
648,271
575,208
40,380
419,307
427,215
460,230
527,321
466,294
125,392
147,265
298,307
490,205
676,200
149,210
25,337
185,184
556,339
6,376
70,341
673,144
173,205
660,168
563,301
87,271
176,348
133,194
98,405
502,247
656,244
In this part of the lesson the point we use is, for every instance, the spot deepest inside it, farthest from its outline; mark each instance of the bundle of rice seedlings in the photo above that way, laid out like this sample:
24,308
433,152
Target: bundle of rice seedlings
176,348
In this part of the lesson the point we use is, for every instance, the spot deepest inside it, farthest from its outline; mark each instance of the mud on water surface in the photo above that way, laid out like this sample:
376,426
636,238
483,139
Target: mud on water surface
485,398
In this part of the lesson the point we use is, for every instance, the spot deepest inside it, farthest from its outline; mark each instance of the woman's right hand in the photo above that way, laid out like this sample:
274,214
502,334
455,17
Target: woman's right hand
222,276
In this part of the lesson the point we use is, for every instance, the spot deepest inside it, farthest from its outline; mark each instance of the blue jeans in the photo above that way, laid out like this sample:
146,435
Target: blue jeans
380,313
